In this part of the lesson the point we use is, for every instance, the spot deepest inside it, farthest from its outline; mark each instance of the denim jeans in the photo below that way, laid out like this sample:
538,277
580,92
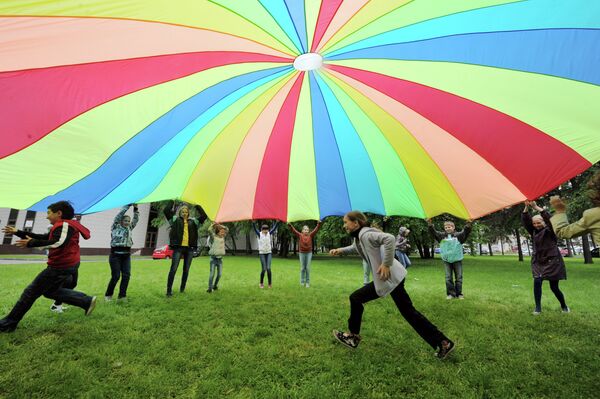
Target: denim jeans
215,263
305,258
403,258
265,262
453,288
366,272
417,321
120,267
51,284
187,254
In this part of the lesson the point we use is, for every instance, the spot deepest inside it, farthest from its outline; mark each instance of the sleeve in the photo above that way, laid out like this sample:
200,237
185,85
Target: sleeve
296,232
546,217
314,232
388,241
168,211
563,229
351,249
119,216
60,236
201,215
526,220
274,227
438,236
136,218
464,234
24,234
255,229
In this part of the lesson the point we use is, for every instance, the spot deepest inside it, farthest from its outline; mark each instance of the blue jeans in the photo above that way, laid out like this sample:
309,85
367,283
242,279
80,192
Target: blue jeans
215,263
403,258
453,288
120,267
265,262
188,255
305,258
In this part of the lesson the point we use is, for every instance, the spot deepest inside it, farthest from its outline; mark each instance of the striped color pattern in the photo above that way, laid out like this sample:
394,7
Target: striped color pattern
464,107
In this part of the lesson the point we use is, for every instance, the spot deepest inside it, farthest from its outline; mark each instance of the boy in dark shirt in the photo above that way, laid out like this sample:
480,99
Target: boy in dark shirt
62,241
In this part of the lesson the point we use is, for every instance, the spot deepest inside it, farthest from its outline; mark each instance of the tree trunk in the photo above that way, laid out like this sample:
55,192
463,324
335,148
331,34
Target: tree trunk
480,249
502,246
233,244
587,254
248,244
519,247
528,248
490,249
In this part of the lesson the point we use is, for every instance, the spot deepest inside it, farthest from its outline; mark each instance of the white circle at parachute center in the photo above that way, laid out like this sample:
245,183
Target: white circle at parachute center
308,62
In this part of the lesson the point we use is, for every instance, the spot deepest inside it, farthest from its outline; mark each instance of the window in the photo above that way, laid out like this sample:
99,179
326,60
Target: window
12,221
29,220
151,231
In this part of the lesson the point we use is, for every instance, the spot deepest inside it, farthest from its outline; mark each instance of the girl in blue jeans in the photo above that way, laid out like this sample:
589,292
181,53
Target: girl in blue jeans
265,250
216,252
120,252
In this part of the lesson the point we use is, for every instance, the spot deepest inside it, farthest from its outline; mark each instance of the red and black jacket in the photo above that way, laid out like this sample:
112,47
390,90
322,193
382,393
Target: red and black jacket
62,241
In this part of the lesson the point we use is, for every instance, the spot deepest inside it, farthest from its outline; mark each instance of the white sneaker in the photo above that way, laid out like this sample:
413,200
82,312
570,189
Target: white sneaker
56,308
449,297
307,285
566,309
537,312
108,298
461,297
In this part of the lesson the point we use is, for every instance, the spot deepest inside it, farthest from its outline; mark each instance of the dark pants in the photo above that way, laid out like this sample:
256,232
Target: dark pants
71,284
187,255
537,293
265,263
453,288
51,284
120,267
418,322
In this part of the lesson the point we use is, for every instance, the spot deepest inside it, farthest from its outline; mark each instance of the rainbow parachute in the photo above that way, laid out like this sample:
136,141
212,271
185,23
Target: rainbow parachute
293,109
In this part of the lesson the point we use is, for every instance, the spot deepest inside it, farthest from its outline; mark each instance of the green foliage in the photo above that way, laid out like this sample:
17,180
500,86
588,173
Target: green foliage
244,342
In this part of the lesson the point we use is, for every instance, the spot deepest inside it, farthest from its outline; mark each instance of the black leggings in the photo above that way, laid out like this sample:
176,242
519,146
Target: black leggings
537,293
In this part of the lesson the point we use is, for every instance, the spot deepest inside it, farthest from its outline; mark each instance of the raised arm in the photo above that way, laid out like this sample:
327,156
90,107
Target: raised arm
168,211
119,216
296,232
255,229
312,233
464,234
274,227
437,235
526,220
136,216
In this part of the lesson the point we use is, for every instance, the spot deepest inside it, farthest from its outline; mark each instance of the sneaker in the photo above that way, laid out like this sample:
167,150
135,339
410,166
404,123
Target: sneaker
537,312
108,298
122,299
209,290
56,308
169,294
7,326
449,297
270,286
446,346
461,296
566,309
215,288
348,339
90,308
307,285
262,285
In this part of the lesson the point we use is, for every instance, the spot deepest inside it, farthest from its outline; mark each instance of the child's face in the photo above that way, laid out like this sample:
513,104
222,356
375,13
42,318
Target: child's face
449,227
184,212
126,221
221,233
305,230
53,217
406,233
265,230
349,225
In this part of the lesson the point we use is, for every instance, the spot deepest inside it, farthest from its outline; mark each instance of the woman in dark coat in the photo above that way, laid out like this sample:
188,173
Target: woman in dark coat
546,262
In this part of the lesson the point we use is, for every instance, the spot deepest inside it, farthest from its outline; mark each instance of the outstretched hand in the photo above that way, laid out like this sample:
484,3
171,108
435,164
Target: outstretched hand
335,252
9,230
23,243
558,204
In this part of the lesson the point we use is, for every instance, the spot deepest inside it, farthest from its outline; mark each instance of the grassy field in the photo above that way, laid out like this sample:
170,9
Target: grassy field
244,342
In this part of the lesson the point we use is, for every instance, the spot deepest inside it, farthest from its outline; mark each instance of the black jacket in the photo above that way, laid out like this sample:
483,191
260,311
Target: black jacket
176,223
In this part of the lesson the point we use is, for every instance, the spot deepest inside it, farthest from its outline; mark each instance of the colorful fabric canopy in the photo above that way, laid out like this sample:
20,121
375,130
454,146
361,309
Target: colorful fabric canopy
295,110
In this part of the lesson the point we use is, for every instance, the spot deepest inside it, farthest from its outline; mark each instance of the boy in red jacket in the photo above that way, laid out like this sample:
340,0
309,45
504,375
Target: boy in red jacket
62,241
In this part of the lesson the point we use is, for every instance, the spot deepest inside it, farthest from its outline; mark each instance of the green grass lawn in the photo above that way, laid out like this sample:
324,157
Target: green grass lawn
242,341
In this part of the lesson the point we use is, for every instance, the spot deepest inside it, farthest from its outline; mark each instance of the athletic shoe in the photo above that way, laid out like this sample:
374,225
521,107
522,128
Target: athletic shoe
169,294
108,298
262,285
270,286
307,285
122,299
215,288
90,308
449,297
566,309
56,308
348,339
209,290
461,296
537,312
7,325
446,346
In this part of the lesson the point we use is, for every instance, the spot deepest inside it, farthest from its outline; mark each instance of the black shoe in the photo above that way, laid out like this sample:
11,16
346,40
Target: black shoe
348,339
182,291
169,294
215,288
446,346
91,306
7,326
